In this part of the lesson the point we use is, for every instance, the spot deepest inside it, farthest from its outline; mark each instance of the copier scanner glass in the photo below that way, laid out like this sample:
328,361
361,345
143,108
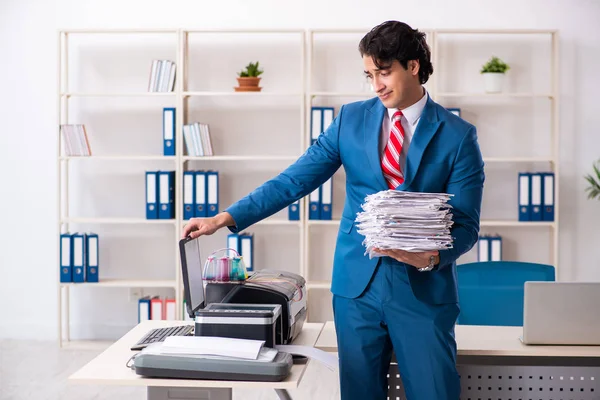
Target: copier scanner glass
191,263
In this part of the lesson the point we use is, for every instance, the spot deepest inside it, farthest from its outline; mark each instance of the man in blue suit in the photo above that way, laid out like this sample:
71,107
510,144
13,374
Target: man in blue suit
402,140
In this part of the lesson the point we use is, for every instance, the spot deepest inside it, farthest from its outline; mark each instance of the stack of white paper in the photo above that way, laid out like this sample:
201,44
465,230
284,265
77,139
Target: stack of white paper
213,346
410,221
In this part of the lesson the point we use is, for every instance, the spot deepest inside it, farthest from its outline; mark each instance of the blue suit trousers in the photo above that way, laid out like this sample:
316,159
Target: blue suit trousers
387,316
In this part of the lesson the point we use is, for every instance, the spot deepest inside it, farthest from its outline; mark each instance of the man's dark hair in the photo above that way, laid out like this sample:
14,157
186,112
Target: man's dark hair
394,40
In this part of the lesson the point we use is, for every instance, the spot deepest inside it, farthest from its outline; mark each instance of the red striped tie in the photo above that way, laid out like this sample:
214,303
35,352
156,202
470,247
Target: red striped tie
390,163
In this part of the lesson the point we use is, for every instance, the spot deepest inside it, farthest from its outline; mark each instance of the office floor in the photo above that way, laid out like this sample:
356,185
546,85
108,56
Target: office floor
39,371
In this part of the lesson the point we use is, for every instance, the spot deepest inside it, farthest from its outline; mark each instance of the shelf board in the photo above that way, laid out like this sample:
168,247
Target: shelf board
318,285
126,283
122,94
268,221
240,158
323,222
342,94
531,224
120,158
102,220
240,94
120,31
496,31
492,95
517,159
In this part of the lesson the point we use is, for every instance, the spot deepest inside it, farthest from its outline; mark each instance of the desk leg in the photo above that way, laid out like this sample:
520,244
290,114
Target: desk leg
283,394
180,393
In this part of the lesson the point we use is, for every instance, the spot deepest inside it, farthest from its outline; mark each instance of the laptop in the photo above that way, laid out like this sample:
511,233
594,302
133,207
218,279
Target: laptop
561,313
191,270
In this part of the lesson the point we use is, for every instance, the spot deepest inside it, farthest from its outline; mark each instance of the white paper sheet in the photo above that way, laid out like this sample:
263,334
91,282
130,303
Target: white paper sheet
329,360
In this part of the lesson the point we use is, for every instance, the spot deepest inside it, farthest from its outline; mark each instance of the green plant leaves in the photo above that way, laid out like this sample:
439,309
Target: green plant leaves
594,188
495,65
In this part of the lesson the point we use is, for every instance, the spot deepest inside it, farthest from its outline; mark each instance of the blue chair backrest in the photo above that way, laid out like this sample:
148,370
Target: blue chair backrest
491,293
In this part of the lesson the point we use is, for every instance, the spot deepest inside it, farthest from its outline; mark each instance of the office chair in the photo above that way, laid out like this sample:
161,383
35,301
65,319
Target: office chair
491,293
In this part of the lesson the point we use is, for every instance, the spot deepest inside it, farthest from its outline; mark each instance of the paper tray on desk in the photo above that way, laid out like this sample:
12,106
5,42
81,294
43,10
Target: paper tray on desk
185,367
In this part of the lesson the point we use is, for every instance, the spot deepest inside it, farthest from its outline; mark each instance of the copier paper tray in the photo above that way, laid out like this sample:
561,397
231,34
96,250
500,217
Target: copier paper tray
186,367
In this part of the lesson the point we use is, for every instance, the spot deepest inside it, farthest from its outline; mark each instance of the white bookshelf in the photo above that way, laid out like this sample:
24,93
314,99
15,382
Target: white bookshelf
312,89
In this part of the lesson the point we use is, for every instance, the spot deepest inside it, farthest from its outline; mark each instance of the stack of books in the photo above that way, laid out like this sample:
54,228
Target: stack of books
162,76
75,140
197,139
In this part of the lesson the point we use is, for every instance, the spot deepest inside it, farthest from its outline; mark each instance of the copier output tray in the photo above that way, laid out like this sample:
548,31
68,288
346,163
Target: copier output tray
186,367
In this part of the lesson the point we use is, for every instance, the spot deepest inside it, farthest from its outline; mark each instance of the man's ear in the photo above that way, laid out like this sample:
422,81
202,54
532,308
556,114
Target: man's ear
414,66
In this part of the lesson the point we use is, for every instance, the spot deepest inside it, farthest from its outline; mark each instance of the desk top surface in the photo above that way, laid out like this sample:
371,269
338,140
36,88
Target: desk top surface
109,367
485,341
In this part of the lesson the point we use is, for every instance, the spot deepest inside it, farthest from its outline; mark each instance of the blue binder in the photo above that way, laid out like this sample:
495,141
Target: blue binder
212,192
233,242
294,211
189,205
66,258
200,195
247,250
548,196
166,187
144,309
314,206
78,245
321,118
326,199
483,249
151,195
536,196
91,257
524,196
169,131
495,248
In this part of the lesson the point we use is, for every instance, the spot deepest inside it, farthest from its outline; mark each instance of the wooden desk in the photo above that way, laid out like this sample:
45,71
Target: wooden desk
494,363
109,368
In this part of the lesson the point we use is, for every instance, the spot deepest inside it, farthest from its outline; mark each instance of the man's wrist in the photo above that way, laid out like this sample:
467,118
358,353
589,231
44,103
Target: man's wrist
224,219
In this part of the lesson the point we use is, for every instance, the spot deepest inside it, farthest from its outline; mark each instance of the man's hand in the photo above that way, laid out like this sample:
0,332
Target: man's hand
207,226
417,260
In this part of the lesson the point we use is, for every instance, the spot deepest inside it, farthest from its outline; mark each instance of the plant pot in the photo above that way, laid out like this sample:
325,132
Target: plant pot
493,81
248,84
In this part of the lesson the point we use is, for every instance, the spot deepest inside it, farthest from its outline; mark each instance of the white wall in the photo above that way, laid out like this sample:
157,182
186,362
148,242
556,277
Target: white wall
28,108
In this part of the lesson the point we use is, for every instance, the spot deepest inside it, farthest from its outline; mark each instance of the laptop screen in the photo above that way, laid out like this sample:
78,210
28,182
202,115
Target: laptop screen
191,263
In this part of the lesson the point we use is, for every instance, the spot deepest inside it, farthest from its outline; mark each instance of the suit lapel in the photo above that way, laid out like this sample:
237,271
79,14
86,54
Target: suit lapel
426,129
372,134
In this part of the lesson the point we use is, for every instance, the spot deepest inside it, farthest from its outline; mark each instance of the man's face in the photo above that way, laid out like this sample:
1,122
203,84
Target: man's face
394,85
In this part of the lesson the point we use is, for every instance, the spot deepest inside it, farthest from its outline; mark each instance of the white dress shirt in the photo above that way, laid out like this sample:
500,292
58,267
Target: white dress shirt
409,120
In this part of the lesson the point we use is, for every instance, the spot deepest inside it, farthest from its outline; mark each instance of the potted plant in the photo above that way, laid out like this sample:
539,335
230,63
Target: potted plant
249,79
493,74
594,181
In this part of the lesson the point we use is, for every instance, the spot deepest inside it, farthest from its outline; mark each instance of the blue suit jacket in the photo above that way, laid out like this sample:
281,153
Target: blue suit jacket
443,157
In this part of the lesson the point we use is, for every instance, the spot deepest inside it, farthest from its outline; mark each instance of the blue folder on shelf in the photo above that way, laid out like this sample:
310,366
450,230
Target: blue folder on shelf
168,131
189,204
166,187
247,250
294,211
524,196
91,257
144,309
78,245
495,248
233,242
212,192
201,208
66,258
483,249
536,197
548,196
314,206
151,195
326,199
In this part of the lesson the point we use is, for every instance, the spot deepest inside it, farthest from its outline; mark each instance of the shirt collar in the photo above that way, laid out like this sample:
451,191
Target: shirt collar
413,112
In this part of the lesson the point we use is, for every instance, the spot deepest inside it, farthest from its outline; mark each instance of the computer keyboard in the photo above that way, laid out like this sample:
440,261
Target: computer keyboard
159,335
